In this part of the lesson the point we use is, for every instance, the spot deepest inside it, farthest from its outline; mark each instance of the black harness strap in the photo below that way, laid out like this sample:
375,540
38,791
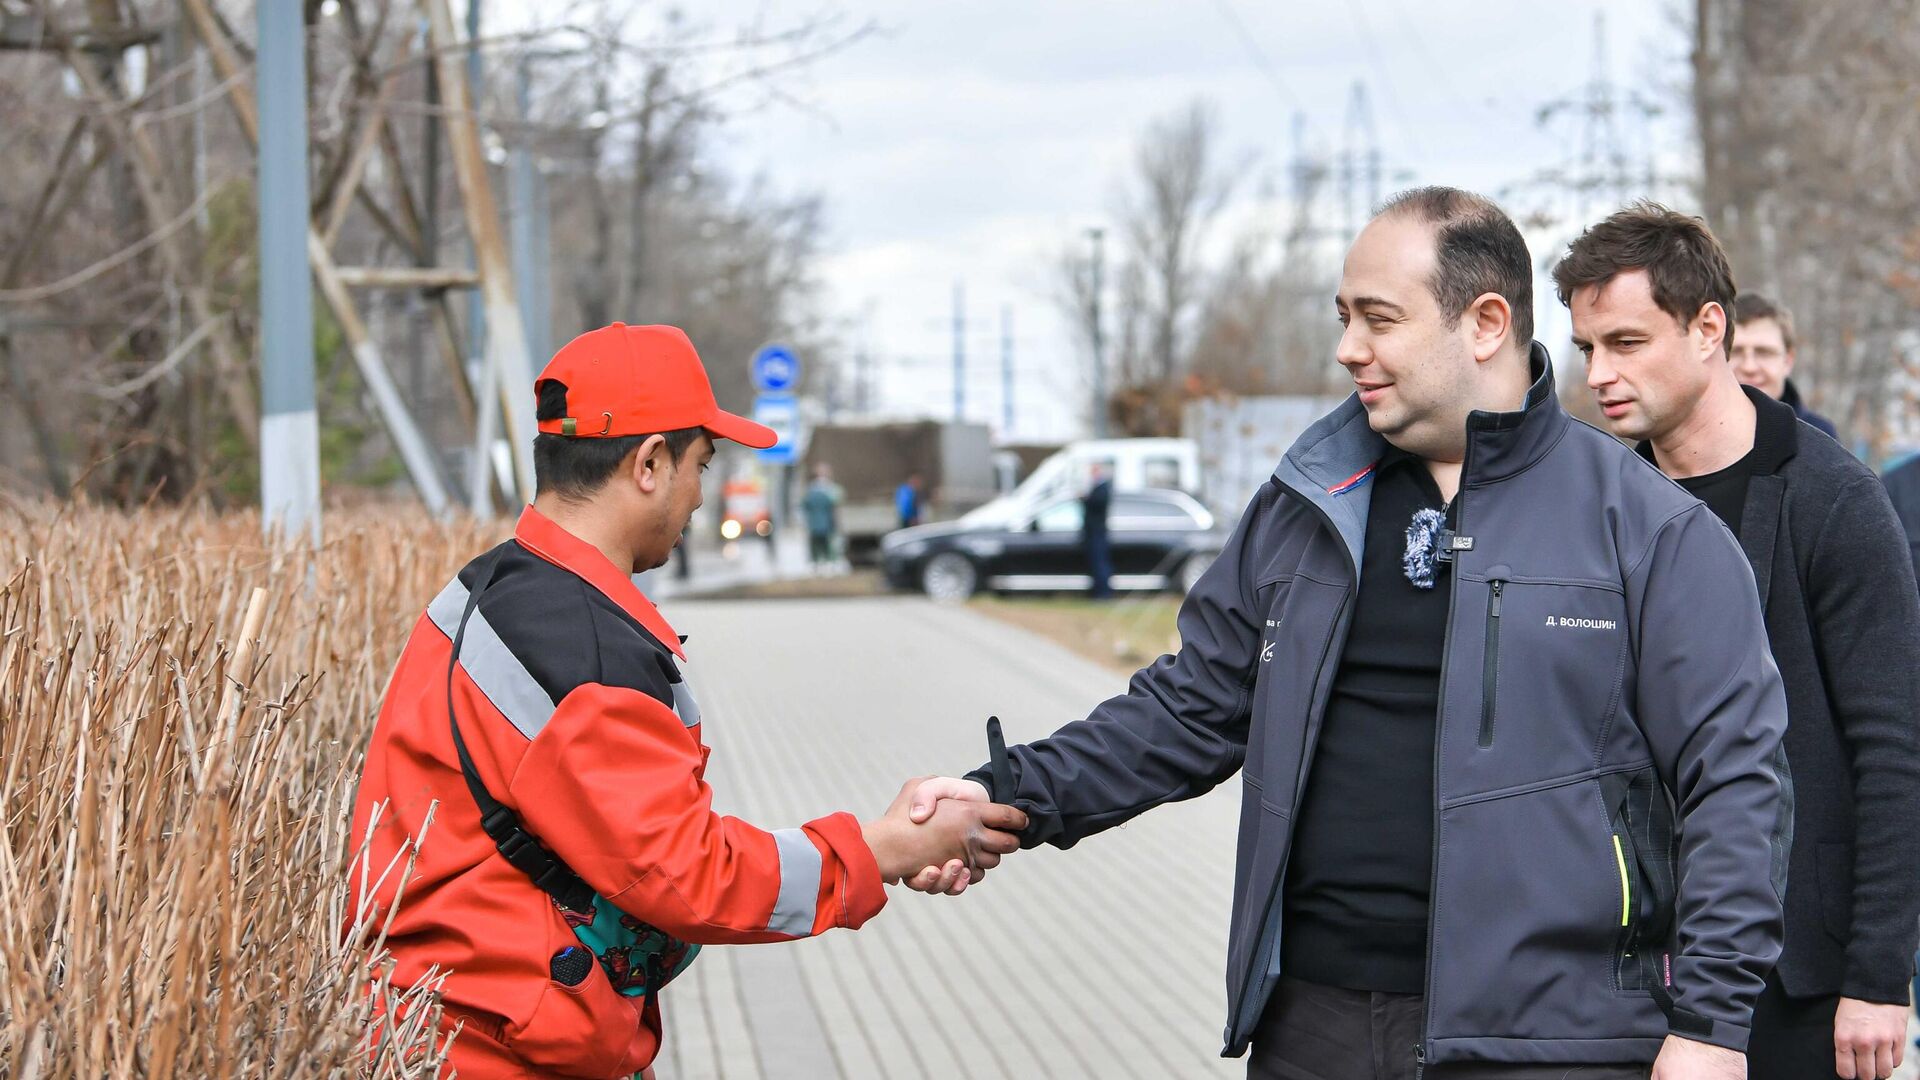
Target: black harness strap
519,847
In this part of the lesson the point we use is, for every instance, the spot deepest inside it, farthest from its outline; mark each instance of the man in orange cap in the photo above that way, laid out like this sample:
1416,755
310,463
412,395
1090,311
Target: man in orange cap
539,718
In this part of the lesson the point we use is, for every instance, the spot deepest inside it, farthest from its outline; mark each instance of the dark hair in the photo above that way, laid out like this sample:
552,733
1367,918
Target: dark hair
1477,250
574,466
1752,307
1685,265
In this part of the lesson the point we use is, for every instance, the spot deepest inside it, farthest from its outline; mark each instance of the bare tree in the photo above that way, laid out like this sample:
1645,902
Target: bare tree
127,242
1810,154
1167,205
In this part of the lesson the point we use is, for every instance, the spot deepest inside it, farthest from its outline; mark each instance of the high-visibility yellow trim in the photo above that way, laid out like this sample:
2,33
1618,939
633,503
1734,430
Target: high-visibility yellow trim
1626,896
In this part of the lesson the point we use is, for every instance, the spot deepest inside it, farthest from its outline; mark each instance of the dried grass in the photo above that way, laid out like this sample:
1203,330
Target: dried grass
183,707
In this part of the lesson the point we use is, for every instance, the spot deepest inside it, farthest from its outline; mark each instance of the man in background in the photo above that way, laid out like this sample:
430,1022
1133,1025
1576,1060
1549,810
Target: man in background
821,508
1096,543
1763,355
906,501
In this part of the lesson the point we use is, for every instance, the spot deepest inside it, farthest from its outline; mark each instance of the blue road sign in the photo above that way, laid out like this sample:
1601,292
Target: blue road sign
781,412
776,369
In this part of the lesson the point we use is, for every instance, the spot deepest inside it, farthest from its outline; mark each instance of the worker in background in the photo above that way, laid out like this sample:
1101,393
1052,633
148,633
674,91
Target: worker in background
821,508
540,721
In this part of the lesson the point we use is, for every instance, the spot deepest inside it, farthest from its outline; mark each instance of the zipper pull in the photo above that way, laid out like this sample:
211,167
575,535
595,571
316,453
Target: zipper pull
1419,1060
1493,612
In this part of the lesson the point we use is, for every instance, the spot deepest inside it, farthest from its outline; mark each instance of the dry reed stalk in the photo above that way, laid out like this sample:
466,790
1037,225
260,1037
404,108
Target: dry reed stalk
175,801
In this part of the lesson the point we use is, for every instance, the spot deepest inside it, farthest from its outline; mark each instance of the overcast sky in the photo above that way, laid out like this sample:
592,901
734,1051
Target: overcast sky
969,141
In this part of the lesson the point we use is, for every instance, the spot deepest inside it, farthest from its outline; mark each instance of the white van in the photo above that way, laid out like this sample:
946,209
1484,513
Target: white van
1134,465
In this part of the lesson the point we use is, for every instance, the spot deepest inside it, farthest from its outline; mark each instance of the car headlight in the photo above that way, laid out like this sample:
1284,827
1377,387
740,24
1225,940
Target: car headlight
910,549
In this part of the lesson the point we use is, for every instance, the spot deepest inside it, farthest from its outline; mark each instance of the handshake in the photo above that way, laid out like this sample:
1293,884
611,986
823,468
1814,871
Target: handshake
942,834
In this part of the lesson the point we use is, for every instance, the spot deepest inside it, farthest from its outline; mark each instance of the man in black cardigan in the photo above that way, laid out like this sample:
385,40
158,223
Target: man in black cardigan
1650,291
1903,487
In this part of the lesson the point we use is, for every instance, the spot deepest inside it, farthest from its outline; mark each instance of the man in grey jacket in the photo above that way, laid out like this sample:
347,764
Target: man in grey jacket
1651,292
1502,706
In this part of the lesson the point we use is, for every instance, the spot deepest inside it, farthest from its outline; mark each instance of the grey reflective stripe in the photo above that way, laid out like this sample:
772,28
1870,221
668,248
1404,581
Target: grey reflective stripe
799,883
684,704
491,665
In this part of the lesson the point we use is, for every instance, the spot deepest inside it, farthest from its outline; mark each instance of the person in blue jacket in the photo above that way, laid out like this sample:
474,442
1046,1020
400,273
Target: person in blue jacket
906,501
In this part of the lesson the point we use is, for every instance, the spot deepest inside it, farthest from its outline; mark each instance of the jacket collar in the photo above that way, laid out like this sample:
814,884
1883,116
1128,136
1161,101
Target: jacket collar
1503,444
1776,434
539,534
1776,431
1338,455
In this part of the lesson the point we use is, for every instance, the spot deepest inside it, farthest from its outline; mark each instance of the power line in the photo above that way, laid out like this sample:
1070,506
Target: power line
1259,56
1437,72
1407,131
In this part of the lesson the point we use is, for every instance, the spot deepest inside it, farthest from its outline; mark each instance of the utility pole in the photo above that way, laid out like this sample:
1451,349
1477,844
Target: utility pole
1604,157
959,351
202,84
1605,173
289,426
529,217
1098,236
476,300
1361,140
427,252
1006,371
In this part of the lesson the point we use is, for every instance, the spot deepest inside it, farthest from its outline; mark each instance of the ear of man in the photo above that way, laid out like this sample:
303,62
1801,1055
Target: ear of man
1491,318
649,463
1711,326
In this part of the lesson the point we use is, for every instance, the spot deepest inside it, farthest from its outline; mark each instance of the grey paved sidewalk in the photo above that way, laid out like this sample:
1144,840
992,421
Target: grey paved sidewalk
1103,961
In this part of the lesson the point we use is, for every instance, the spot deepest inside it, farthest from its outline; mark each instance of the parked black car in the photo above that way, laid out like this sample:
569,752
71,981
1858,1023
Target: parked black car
1161,540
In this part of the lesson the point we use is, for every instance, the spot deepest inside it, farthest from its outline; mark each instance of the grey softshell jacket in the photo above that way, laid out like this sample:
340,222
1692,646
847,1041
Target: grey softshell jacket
1612,811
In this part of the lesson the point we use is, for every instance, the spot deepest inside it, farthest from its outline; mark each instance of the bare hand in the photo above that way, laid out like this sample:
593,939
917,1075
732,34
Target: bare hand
953,878
1687,1059
930,790
974,834
1869,1040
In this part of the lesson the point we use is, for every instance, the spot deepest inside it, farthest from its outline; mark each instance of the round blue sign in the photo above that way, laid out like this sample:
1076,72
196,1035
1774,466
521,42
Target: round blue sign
775,369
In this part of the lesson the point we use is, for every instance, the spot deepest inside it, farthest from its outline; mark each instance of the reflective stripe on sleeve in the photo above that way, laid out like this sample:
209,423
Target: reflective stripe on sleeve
799,883
491,665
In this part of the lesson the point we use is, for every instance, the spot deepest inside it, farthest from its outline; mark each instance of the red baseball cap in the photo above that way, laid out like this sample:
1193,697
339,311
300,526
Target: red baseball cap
640,380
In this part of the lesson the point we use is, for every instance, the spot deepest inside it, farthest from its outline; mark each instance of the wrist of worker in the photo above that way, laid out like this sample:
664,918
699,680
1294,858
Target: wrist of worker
885,838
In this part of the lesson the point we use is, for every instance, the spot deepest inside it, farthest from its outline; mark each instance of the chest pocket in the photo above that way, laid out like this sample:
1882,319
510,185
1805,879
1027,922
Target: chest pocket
1552,666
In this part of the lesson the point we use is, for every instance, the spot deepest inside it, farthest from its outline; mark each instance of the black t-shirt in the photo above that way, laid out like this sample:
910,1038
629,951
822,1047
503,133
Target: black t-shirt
1724,492
1362,861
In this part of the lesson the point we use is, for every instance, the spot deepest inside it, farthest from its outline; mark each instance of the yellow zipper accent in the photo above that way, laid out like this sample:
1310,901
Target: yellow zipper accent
1626,898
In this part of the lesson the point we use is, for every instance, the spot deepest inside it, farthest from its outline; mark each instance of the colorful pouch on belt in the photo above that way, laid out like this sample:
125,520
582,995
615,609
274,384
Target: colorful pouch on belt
638,958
